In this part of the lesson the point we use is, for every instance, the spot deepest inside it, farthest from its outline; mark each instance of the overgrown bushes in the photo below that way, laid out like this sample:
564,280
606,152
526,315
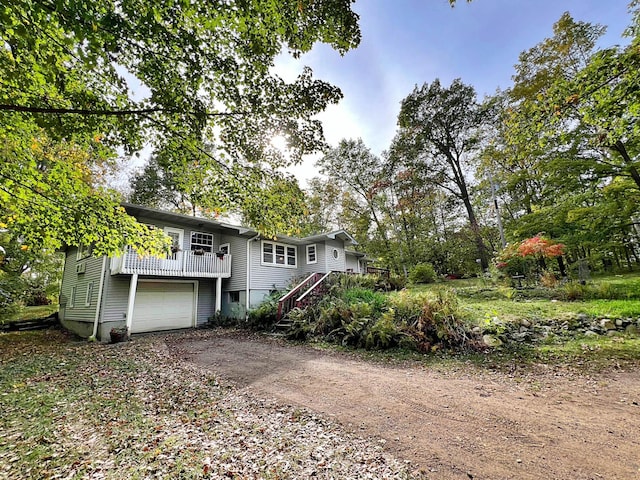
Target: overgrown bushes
354,314
422,273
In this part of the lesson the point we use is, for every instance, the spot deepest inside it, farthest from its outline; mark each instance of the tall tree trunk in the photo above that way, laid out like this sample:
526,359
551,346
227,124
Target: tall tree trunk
563,271
458,177
633,171
475,228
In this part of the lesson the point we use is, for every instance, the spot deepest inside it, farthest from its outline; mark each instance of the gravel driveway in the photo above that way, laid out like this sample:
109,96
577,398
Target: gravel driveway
449,424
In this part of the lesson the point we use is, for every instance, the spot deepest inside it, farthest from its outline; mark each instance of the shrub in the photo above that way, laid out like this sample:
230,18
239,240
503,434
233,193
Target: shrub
423,273
264,316
300,327
548,279
384,333
219,320
573,291
396,282
433,321
377,300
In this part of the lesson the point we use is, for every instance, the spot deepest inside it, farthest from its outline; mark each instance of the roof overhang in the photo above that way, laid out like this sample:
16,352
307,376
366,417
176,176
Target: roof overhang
195,222
335,235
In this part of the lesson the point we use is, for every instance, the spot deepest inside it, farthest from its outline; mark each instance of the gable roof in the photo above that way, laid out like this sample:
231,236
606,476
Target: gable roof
335,235
200,222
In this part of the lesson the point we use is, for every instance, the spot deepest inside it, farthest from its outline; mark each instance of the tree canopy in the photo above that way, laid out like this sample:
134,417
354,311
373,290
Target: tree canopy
86,82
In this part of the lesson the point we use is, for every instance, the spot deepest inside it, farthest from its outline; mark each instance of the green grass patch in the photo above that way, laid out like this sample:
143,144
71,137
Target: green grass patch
31,313
477,311
618,296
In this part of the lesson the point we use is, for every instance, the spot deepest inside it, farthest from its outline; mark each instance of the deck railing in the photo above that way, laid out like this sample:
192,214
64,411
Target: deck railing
383,272
190,263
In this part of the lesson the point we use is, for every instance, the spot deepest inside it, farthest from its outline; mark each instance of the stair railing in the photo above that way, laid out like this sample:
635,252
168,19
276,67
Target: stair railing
312,289
288,301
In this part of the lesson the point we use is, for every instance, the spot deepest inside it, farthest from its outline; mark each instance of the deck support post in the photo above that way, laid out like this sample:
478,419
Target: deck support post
132,299
218,295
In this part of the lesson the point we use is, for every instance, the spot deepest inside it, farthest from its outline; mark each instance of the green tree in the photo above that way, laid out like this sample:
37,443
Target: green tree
439,132
359,175
98,77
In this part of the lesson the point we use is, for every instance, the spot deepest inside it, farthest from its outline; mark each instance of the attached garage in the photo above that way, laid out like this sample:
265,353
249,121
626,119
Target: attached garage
164,306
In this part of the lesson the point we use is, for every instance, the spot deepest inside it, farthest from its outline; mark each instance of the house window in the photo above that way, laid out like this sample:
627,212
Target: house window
336,253
312,256
234,297
279,254
83,252
87,300
72,297
202,241
224,248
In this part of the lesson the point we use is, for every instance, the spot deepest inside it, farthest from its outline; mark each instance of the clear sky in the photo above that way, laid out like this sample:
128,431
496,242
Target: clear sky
410,42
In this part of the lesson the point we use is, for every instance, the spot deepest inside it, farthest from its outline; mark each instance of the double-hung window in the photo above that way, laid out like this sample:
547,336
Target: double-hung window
202,241
279,254
312,255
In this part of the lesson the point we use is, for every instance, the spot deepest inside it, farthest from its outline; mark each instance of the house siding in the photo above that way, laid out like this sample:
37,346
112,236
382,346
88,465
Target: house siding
351,262
238,251
186,239
79,312
333,264
206,301
116,297
318,267
268,277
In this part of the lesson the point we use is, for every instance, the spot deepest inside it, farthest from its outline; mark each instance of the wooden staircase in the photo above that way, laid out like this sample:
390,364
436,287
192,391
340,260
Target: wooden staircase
303,295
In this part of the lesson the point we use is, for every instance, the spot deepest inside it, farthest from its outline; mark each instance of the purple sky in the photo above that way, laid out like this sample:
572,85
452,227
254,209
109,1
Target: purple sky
409,42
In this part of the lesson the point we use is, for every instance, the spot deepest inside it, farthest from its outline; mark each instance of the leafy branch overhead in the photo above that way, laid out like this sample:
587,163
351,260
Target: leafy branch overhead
107,77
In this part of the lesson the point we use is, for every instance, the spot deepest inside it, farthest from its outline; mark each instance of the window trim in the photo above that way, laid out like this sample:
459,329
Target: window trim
335,254
84,251
273,253
201,246
89,294
315,253
223,246
72,296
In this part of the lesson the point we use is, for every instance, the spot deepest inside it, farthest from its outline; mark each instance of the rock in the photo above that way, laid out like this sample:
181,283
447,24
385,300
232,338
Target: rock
607,324
619,322
519,337
491,341
525,323
632,329
476,330
590,333
611,333
583,317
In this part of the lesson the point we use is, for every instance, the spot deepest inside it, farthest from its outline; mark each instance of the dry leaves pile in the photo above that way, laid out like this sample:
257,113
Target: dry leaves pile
72,409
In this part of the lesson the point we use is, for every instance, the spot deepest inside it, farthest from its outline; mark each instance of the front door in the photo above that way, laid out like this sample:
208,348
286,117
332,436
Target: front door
174,259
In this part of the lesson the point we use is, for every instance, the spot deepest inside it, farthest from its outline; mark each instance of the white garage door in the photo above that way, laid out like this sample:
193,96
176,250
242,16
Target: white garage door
162,306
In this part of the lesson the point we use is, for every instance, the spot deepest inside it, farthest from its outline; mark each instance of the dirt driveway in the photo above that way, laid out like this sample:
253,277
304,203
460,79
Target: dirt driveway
449,424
